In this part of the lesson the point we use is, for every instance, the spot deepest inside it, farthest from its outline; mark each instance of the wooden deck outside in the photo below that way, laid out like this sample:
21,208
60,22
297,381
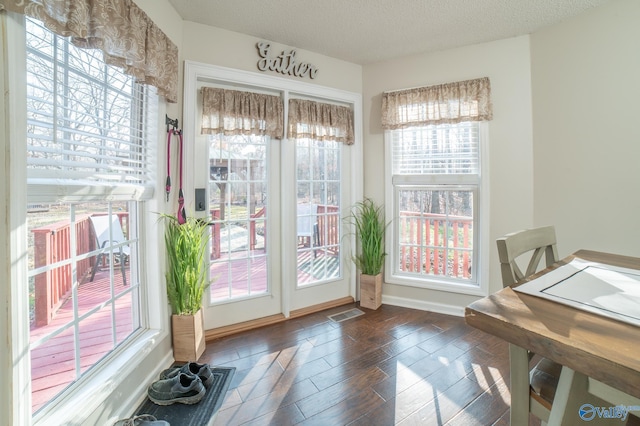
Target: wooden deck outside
248,276
53,362
426,253
242,276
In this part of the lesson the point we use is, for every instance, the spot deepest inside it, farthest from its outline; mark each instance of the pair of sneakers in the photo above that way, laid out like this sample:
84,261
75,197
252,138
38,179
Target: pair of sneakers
141,420
186,384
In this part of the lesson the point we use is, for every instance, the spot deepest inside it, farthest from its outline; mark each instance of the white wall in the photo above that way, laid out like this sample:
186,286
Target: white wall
220,47
506,63
586,87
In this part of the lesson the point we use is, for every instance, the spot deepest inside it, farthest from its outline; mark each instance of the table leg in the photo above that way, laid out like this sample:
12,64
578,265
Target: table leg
519,371
572,393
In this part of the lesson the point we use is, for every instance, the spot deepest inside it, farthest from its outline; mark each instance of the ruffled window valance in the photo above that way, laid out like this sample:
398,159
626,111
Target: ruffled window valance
446,103
125,34
233,112
315,120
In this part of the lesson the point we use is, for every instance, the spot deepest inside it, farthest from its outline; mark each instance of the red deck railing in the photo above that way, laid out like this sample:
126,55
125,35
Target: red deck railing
252,228
52,244
215,234
423,249
328,228
424,244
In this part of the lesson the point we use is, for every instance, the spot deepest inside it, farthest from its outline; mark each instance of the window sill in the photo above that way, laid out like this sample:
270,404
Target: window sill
472,289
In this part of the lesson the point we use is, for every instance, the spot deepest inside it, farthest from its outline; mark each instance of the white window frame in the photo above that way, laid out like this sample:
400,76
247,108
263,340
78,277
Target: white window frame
78,402
479,284
196,73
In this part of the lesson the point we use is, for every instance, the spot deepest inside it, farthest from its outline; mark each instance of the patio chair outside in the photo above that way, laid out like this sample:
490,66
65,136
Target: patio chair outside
103,237
307,224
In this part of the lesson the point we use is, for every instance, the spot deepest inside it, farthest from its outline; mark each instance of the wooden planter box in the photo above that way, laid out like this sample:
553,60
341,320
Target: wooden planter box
188,336
371,291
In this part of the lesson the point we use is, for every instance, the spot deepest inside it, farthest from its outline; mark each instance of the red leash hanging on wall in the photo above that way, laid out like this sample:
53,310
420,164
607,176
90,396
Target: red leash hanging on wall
182,214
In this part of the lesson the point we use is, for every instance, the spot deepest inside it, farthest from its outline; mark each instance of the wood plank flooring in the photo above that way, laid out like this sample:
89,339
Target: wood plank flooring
390,366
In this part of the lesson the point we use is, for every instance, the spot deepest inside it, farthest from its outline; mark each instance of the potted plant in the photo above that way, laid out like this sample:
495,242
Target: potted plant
368,220
186,279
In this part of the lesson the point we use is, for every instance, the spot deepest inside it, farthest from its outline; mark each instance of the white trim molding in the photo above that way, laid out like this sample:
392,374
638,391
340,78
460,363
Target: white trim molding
423,305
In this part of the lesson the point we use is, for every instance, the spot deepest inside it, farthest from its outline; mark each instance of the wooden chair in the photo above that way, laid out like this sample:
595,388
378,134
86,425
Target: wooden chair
542,379
106,237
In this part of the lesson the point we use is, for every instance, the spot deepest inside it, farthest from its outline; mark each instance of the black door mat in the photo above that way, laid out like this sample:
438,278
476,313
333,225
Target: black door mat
199,414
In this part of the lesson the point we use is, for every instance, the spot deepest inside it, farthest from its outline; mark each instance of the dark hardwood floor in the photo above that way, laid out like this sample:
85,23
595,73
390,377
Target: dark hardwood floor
389,366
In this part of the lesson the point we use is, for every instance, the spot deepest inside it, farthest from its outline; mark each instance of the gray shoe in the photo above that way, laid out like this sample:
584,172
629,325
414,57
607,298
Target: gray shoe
201,370
141,420
182,388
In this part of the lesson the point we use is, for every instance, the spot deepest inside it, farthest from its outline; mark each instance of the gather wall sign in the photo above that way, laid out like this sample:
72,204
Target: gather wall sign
284,63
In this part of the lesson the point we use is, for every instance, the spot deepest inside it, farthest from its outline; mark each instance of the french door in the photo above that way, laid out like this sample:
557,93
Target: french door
321,194
243,198
278,241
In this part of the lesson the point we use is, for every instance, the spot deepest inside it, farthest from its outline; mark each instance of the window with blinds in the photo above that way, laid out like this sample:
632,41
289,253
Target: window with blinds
436,149
86,124
90,166
435,176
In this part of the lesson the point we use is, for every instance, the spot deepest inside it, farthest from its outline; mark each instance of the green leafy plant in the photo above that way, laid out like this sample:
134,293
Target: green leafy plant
368,221
186,277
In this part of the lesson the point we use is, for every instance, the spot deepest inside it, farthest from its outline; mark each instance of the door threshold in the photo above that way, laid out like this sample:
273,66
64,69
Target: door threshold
227,330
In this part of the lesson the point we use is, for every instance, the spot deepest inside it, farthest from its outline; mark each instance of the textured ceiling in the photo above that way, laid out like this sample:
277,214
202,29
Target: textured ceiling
367,31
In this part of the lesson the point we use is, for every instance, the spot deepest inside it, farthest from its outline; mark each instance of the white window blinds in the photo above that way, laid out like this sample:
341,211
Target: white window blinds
87,125
436,149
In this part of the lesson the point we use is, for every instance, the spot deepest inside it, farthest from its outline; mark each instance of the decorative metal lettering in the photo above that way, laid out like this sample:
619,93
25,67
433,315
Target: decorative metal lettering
285,63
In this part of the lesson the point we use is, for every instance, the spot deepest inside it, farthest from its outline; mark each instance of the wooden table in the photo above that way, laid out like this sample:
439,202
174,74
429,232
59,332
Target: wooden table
595,346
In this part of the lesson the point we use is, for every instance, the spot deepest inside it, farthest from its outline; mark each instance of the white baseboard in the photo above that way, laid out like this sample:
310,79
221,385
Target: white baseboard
422,305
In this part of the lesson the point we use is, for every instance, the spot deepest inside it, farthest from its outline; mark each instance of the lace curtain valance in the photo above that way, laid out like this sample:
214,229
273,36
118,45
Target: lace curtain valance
446,103
309,119
128,38
233,112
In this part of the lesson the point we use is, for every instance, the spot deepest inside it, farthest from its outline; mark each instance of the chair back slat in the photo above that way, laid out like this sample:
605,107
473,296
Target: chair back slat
537,243
101,228
307,219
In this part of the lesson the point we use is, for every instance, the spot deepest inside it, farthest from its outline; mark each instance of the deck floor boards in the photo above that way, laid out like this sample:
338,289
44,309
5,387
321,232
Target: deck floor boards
53,364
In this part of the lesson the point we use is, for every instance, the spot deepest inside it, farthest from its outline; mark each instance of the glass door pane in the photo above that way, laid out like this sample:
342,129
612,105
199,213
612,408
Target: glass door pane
238,208
318,212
